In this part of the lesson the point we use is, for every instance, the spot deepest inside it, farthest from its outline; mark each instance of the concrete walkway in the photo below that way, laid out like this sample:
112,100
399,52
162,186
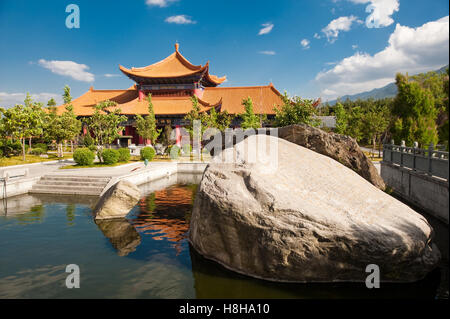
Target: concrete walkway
135,172
38,169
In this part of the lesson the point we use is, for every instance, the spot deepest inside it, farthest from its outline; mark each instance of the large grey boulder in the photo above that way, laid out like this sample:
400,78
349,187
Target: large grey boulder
117,201
303,217
341,148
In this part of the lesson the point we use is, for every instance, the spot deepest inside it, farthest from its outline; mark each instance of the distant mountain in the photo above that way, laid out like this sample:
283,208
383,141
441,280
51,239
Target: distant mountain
389,90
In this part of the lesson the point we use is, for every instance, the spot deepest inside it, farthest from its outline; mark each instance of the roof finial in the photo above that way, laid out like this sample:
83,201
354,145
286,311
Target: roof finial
177,45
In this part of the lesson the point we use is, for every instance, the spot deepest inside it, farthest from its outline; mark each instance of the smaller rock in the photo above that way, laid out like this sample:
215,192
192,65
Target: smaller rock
117,201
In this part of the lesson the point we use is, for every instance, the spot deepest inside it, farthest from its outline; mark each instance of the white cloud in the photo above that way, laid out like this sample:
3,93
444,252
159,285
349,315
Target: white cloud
69,68
328,92
354,46
159,3
411,50
268,52
305,43
10,99
380,12
109,75
180,19
317,36
266,28
335,26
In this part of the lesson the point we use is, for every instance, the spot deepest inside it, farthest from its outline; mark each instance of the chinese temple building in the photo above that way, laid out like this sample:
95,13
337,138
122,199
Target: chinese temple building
172,82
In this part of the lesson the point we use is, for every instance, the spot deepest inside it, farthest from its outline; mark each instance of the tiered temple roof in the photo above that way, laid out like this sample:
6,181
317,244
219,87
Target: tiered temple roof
173,68
177,70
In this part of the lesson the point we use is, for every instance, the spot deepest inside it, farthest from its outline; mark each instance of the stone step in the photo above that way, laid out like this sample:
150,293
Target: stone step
68,188
63,192
75,178
71,183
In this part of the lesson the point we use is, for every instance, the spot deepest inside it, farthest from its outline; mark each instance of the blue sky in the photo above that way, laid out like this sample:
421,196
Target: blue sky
309,48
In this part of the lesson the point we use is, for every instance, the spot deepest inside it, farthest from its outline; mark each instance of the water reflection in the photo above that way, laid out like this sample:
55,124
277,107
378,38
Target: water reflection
121,234
214,281
159,261
165,215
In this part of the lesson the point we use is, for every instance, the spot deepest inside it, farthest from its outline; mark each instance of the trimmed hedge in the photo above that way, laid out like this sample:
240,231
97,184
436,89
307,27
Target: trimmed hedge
83,156
147,153
110,156
174,151
124,155
93,148
38,151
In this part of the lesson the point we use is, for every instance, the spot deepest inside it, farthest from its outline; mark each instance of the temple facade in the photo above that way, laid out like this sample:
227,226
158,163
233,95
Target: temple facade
172,82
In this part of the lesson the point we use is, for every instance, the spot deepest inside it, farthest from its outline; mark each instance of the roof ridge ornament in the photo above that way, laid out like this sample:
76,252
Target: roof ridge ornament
177,46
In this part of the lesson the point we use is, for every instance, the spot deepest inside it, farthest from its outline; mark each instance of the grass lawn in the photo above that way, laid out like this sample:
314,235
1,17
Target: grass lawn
374,158
157,158
17,160
99,164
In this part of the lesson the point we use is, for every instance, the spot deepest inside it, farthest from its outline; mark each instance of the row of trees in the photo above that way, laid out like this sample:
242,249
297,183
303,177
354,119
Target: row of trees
294,110
32,120
419,112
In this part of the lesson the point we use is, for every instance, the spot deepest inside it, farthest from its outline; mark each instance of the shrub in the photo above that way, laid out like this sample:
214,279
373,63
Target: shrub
38,151
110,156
83,156
124,155
187,149
41,146
93,148
1,153
10,148
147,153
174,151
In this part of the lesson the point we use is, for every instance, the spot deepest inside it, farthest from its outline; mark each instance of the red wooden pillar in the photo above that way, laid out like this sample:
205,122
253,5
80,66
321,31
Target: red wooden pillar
141,95
178,135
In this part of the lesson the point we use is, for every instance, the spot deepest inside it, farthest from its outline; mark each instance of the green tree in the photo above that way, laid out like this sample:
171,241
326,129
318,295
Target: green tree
444,128
105,124
70,122
219,120
196,115
249,118
296,111
341,118
375,122
37,116
415,113
18,122
146,126
51,102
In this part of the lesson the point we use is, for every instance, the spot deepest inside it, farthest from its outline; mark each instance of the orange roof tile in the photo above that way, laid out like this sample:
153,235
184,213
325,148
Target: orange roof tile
165,106
264,98
175,65
83,105
128,102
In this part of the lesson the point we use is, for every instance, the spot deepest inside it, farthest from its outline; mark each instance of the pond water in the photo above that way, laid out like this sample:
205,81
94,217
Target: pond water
146,255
